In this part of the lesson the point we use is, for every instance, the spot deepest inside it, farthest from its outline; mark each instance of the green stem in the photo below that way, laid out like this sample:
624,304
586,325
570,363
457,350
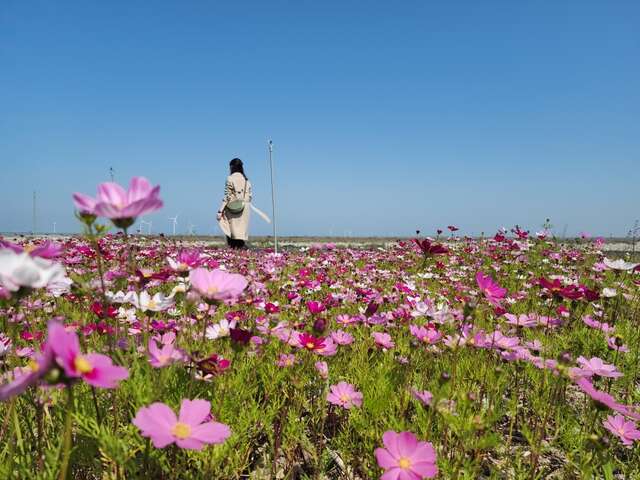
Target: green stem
67,436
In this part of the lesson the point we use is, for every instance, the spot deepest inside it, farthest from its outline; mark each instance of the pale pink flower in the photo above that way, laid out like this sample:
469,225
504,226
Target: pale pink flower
161,357
406,458
341,337
426,335
115,202
612,342
425,396
383,340
192,429
217,284
624,429
344,395
596,366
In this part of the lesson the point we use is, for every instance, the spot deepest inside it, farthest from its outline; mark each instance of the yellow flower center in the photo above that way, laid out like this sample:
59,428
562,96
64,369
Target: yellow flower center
82,365
181,430
29,248
404,463
344,397
212,289
152,304
310,345
33,365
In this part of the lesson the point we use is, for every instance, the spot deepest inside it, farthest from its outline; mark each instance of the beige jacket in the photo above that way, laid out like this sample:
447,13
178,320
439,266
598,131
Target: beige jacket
236,225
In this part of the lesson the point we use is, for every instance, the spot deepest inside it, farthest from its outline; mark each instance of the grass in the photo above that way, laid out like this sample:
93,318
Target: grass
492,416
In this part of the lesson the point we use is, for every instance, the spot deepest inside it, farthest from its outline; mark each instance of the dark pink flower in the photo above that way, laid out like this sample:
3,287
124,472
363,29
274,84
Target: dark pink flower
491,290
95,369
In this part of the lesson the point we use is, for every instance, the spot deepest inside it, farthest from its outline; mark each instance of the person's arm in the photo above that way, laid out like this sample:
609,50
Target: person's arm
228,191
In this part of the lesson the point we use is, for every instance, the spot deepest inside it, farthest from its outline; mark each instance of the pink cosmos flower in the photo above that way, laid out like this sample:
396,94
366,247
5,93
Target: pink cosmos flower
344,395
161,357
425,396
315,307
491,290
426,335
192,429
614,343
345,319
37,367
329,349
185,260
603,398
95,369
217,284
47,249
383,340
115,202
596,366
405,458
286,360
309,342
624,429
341,337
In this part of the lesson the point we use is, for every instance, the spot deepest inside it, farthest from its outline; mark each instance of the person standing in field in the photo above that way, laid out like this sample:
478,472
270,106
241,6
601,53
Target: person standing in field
233,214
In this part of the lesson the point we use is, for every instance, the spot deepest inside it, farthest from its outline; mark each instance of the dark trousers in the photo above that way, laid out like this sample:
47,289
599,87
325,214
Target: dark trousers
235,243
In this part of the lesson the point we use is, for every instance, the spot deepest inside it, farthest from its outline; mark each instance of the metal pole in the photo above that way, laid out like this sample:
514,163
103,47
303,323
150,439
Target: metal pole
111,173
273,200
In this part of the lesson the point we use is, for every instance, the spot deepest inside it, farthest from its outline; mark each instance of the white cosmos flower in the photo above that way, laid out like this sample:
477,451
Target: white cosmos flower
158,303
221,329
60,286
5,345
609,292
619,264
22,270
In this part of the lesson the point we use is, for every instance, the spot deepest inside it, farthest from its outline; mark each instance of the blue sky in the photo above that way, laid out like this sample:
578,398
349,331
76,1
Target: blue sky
386,116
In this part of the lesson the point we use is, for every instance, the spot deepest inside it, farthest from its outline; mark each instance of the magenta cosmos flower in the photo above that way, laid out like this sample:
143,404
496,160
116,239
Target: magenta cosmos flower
405,458
344,395
624,429
114,202
217,284
192,429
95,369
491,290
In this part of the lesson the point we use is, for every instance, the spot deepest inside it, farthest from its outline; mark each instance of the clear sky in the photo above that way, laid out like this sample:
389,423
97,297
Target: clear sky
386,116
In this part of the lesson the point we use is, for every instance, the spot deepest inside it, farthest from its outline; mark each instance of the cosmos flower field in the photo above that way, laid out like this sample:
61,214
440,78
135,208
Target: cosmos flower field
509,357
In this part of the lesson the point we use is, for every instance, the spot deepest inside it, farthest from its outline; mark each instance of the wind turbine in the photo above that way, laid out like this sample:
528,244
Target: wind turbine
54,228
192,229
174,220
144,222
